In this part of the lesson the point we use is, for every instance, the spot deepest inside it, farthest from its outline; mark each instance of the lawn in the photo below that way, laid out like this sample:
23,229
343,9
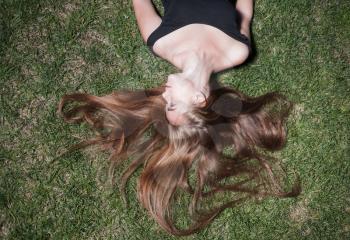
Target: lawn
51,48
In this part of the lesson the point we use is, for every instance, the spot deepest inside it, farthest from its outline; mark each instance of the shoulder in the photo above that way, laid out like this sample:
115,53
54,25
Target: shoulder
237,54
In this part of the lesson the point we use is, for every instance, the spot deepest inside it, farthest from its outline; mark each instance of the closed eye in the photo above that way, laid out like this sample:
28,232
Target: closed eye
171,108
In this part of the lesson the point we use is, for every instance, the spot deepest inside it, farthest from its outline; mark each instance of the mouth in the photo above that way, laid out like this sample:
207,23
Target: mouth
165,84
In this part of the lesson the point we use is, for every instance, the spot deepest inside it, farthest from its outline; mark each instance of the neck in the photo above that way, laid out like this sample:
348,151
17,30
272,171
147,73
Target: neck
197,66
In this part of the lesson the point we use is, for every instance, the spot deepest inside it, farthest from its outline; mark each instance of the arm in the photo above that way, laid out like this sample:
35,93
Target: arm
245,10
146,16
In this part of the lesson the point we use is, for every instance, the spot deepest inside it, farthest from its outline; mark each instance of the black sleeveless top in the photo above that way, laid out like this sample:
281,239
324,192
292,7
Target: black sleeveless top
217,13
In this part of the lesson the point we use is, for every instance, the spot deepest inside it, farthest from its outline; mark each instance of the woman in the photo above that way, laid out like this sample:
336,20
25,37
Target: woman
200,37
190,124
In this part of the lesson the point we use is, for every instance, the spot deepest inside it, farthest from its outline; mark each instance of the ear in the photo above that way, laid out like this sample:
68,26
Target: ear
198,98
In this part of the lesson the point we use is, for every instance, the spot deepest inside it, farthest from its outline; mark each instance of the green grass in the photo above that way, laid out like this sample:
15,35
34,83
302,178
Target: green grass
50,48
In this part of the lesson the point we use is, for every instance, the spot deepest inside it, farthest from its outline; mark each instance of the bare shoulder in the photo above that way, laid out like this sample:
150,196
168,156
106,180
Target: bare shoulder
233,55
226,51
237,54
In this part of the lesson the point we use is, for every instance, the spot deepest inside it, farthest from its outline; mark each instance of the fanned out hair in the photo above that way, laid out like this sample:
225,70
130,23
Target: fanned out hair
133,125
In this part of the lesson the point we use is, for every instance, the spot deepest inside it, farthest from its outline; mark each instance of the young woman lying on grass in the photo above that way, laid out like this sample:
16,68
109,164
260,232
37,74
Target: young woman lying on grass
188,122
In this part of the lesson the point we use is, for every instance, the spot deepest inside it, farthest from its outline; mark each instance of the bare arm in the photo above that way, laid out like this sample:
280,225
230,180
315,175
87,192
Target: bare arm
146,16
245,9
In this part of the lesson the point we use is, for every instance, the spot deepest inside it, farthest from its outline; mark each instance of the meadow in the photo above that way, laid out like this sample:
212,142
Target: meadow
51,48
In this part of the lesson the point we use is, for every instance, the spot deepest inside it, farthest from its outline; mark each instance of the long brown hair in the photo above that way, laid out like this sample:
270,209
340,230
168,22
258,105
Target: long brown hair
132,124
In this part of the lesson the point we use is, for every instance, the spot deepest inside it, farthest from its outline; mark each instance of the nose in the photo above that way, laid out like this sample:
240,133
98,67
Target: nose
165,95
171,78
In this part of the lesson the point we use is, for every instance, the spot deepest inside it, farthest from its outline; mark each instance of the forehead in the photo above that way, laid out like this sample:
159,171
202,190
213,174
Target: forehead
175,118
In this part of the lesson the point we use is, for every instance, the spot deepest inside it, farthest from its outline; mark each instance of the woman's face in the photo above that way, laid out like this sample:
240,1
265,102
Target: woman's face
178,94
